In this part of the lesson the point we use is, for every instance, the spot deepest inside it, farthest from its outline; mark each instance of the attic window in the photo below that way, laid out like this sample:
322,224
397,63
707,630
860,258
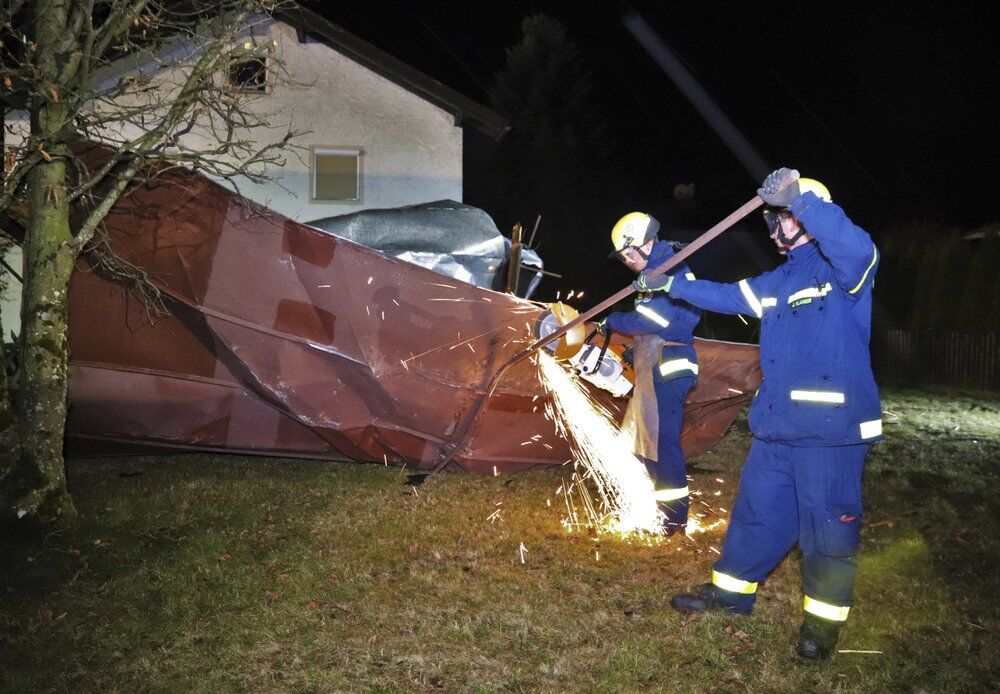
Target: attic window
336,174
249,75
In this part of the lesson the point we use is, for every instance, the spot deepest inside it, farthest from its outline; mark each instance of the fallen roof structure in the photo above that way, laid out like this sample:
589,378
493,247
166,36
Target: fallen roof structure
281,339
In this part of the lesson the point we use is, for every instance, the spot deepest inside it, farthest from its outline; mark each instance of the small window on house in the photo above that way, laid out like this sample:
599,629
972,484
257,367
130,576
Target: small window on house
249,75
336,174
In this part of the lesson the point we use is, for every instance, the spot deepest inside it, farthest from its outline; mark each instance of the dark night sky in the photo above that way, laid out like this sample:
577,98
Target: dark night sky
887,103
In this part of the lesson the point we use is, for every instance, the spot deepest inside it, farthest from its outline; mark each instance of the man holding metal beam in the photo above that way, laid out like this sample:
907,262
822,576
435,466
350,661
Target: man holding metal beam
666,366
814,416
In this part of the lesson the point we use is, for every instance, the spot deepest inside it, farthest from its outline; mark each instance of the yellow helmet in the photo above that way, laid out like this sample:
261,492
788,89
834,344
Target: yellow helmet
633,230
811,185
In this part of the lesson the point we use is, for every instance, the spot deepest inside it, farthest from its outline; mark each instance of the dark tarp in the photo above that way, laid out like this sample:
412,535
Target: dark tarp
454,239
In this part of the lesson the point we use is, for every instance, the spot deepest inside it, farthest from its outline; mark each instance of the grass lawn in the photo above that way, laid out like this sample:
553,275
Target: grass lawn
220,573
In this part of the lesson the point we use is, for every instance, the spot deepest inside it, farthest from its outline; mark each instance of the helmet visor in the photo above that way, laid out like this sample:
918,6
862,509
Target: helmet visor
630,253
773,217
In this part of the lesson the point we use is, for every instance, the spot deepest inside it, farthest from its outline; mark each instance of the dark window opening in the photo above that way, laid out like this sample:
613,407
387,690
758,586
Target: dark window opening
249,75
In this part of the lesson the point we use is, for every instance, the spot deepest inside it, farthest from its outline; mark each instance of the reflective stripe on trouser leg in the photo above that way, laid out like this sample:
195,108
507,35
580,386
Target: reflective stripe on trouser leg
733,584
669,472
828,495
763,525
670,494
834,613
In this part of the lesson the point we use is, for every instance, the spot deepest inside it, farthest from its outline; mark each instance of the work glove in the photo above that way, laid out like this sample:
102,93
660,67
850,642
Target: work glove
771,190
628,356
645,283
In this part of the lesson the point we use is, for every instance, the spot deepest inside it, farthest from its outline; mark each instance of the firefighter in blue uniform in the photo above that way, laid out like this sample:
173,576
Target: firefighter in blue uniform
814,416
666,366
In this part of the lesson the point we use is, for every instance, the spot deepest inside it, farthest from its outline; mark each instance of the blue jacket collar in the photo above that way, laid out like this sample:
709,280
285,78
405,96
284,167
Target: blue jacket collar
803,252
662,252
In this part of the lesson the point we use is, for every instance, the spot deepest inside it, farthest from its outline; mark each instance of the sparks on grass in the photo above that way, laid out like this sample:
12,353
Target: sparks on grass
610,489
624,490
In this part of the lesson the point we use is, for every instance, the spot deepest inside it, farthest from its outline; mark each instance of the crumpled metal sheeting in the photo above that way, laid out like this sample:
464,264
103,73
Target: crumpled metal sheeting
341,340
451,238
286,340
728,376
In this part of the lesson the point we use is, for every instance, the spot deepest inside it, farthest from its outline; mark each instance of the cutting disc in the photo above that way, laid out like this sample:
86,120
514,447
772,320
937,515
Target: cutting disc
553,318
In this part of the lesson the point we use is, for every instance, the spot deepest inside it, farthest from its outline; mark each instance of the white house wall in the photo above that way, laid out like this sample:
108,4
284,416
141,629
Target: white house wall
10,298
412,149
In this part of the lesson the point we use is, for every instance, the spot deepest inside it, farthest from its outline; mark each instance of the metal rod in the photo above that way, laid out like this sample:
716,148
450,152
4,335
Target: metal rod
538,269
514,262
531,239
465,427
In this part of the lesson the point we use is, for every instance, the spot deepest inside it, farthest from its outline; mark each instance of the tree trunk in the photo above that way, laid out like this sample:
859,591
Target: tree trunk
39,481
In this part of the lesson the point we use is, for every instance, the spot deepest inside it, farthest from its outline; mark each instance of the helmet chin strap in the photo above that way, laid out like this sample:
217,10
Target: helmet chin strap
787,242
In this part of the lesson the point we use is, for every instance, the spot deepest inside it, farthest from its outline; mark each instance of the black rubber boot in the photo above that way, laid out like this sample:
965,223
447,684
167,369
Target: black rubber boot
674,523
706,599
817,638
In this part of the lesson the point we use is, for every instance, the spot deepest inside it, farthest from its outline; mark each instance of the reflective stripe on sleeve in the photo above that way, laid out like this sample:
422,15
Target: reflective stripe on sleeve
818,396
870,430
670,494
810,293
825,610
652,315
690,276
732,584
867,270
751,298
669,367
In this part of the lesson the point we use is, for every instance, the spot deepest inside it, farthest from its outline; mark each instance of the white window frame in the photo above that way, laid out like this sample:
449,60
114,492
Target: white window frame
337,150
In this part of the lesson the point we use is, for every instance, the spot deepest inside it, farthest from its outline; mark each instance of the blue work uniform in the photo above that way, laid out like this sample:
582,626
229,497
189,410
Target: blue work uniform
814,416
666,368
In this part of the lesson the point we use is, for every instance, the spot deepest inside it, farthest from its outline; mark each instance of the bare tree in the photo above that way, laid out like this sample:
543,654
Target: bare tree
160,83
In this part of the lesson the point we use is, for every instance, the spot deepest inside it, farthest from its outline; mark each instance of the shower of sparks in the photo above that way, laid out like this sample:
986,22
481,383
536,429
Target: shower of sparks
625,501
742,319
447,286
370,280
610,488
522,550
